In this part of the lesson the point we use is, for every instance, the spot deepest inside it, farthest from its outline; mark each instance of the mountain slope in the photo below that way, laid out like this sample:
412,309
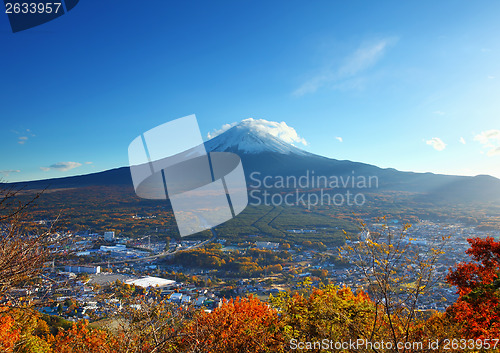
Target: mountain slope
268,155
117,176
245,138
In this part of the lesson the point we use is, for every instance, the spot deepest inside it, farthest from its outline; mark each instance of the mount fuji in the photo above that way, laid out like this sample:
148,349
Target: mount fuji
267,152
248,138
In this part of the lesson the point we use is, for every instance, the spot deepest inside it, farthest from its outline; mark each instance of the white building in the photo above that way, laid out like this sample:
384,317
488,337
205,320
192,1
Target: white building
175,298
114,248
267,245
199,301
109,236
83,253
83,269
149,281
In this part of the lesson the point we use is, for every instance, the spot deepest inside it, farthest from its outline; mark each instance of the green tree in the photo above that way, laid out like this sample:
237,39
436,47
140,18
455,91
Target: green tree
331,313
396,273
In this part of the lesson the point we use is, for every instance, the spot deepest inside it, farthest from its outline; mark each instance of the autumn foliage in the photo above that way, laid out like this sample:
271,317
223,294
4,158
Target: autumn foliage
328,313
150,324
80,339
478,285
239,325
9,335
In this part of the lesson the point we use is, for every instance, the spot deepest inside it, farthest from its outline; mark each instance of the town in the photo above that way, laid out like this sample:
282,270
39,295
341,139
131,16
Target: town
90,266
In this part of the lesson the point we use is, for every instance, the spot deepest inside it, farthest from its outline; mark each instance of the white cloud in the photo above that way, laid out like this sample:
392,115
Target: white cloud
462,140
224,128
490,139
26,134
88,162
366,56
340,139
436,143
491,77
62,166
488,136
494,151
8,172
279,130
313,84
439,112
350,84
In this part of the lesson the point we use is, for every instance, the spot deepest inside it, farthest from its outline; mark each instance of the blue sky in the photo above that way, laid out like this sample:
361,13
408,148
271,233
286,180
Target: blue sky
409,85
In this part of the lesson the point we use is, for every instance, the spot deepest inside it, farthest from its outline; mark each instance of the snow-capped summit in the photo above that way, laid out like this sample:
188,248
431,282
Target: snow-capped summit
252,136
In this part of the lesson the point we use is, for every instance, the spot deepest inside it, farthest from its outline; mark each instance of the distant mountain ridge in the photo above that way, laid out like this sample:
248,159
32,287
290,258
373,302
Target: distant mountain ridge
265,154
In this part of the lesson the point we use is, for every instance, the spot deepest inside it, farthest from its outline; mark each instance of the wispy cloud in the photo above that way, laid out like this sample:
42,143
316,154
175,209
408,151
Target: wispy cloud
366,56
462,140
8,172
494,151
224,128
490,139
25,136
62,166
436,143
439,112
340,139
89,162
